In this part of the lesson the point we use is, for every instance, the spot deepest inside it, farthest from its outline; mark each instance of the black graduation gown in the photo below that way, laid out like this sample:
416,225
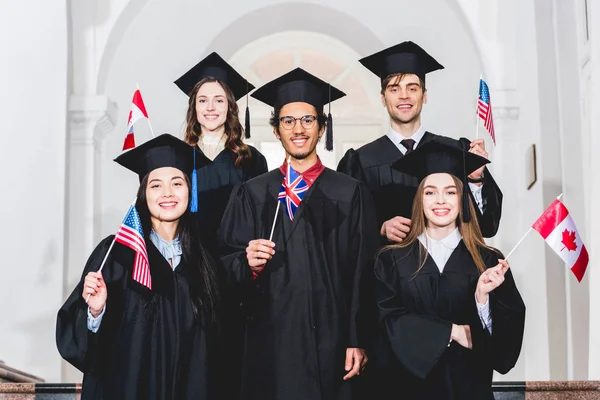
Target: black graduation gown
149,344
394,191
416,315
314,298
215,183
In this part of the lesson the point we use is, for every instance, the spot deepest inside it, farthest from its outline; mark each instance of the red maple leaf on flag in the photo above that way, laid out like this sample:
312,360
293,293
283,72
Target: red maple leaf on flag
568,239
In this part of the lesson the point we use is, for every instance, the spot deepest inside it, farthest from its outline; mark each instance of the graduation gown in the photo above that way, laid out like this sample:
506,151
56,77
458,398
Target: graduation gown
393,191
215,183
314,299
416,316
149,345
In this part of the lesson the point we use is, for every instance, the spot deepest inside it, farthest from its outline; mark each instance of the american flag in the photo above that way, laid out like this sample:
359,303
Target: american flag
484,108
292,191
131,235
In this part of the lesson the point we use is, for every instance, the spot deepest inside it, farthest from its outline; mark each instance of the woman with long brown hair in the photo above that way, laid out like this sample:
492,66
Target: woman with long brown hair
213,126
450,312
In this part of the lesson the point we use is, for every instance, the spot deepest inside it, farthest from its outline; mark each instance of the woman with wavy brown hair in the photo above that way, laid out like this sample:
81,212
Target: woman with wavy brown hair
450,312
213,125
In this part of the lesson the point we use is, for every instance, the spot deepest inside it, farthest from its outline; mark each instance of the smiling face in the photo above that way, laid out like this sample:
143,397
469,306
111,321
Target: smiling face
211,106
300,140
403,97
167,195
441,201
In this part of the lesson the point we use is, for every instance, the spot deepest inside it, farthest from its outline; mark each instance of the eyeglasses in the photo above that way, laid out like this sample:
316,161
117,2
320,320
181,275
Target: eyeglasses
307,121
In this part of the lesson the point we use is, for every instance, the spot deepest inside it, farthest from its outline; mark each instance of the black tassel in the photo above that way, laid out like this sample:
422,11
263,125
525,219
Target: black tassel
329,134
247,127
465,198
466,209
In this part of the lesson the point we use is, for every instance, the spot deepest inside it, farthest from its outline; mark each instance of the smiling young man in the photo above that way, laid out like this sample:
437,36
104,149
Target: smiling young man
307,292
402,69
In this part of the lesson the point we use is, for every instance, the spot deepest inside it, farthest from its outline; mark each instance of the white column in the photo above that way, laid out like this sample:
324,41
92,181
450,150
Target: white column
519,210
545,352
593,242
573,180
90,119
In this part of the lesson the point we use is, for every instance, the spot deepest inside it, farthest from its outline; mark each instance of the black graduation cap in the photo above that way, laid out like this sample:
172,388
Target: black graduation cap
165,151
214,66
300,86
406,57
442,155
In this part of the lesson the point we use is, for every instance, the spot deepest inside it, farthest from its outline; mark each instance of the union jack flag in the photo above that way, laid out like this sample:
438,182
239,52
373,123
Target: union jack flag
131,235
484,108
292,191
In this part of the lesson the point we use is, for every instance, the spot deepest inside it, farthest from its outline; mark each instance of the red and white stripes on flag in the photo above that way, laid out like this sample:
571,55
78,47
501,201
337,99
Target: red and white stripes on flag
558,230
138,109
484,108
137,112
131,235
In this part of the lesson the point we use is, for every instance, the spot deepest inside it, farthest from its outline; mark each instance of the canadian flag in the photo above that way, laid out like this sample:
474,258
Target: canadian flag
137,112
558,230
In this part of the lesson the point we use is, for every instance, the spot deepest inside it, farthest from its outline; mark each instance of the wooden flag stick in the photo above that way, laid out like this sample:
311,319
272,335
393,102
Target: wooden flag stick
526,233
274,220
150,125
277,209
518,243
477,110
109,249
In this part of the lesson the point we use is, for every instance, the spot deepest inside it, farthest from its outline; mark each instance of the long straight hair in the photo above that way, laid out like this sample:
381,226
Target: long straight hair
233,127
203,278
470,231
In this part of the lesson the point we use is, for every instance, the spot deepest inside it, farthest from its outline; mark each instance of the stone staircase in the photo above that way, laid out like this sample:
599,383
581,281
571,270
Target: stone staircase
40,391
547,390
19,385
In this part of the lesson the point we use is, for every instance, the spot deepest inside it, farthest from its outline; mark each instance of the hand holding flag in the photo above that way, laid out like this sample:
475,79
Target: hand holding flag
293,189
131,235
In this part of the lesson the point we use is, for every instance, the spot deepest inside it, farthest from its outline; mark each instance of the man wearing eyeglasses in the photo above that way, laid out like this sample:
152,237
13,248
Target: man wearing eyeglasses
298,244
402,69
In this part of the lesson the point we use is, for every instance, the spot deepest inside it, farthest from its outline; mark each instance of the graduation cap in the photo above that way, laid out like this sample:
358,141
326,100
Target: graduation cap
166,151
442,155
406,57
301,86
216,67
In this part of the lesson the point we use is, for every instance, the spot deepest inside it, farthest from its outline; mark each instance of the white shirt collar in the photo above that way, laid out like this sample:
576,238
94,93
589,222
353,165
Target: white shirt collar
396,138
441,250
450,242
